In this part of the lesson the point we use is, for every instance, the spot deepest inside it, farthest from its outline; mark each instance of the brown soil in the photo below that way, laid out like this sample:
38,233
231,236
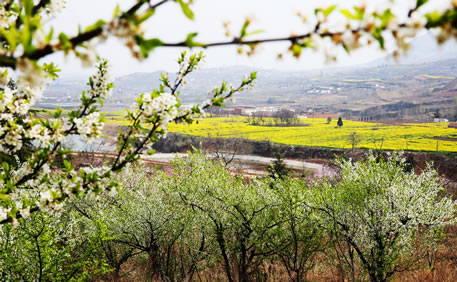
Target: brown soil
445,139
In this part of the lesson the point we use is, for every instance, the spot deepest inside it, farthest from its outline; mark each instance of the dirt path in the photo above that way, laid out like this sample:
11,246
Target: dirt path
247,160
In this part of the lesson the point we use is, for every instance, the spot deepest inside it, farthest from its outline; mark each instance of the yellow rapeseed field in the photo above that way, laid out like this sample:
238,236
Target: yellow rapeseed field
317,133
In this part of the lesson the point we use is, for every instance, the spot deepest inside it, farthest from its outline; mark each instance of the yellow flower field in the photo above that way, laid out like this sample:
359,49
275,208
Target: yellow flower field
416,137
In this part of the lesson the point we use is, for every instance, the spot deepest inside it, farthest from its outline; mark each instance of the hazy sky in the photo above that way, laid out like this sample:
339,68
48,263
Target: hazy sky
276,18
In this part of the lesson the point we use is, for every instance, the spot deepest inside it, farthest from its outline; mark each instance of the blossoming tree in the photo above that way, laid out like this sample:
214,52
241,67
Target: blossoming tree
26,41
378,209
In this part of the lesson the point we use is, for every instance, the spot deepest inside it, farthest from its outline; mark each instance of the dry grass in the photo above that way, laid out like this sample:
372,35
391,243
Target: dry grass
444,268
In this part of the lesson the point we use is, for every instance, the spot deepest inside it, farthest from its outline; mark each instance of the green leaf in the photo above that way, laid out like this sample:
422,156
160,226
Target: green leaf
148,45
51,69
149,13
385,17
347,14
10,36
186,10
346,48
296,50
6,167
243,32
255,32
357,15
329,10
50,35
434,19
420,3
190,40
65,41
4,197
57,113
68,166
96,25
28,7
116,11
360,13
377,34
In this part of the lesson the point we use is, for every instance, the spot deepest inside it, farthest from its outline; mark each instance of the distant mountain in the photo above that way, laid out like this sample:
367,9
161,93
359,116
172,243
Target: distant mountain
426,70
452,86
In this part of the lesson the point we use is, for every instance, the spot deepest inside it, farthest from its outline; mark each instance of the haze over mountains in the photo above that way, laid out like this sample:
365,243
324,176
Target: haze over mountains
414,79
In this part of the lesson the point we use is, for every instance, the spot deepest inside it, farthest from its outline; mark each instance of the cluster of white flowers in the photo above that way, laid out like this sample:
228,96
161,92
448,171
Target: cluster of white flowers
55,7
47,202
44,135
377,19
99,170
164,106
126,31
393,201
13,138
16,101
4,213
41,134
50,188
32,75
89,57
89,126
101,83
23,170
6,17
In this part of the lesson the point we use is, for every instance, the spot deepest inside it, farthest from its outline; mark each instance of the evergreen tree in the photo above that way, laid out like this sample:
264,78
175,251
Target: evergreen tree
278,168
340,122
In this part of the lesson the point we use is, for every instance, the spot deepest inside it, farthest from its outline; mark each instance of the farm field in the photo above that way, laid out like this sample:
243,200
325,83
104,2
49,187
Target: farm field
317,133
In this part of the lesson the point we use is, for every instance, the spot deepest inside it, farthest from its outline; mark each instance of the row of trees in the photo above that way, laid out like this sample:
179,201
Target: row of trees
280,117
26,40
198,216
54,228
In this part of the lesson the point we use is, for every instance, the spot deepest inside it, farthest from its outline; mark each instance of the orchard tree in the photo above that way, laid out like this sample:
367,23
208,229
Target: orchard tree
278,169
378,209
298,239
26,41
146,219
354,139
238,218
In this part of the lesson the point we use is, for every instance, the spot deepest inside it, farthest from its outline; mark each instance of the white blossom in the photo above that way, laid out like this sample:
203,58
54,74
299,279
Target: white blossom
55,7
4,213
90,125
32,75
25,212
101,83
7,17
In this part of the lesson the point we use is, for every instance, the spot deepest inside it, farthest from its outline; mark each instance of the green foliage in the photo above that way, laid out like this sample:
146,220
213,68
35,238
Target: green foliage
202,216
299,238
49,248
186,9
340,122
199,216
278,168
358,13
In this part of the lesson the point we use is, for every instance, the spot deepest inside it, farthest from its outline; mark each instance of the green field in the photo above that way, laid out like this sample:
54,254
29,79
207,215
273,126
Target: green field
317,133
419,137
